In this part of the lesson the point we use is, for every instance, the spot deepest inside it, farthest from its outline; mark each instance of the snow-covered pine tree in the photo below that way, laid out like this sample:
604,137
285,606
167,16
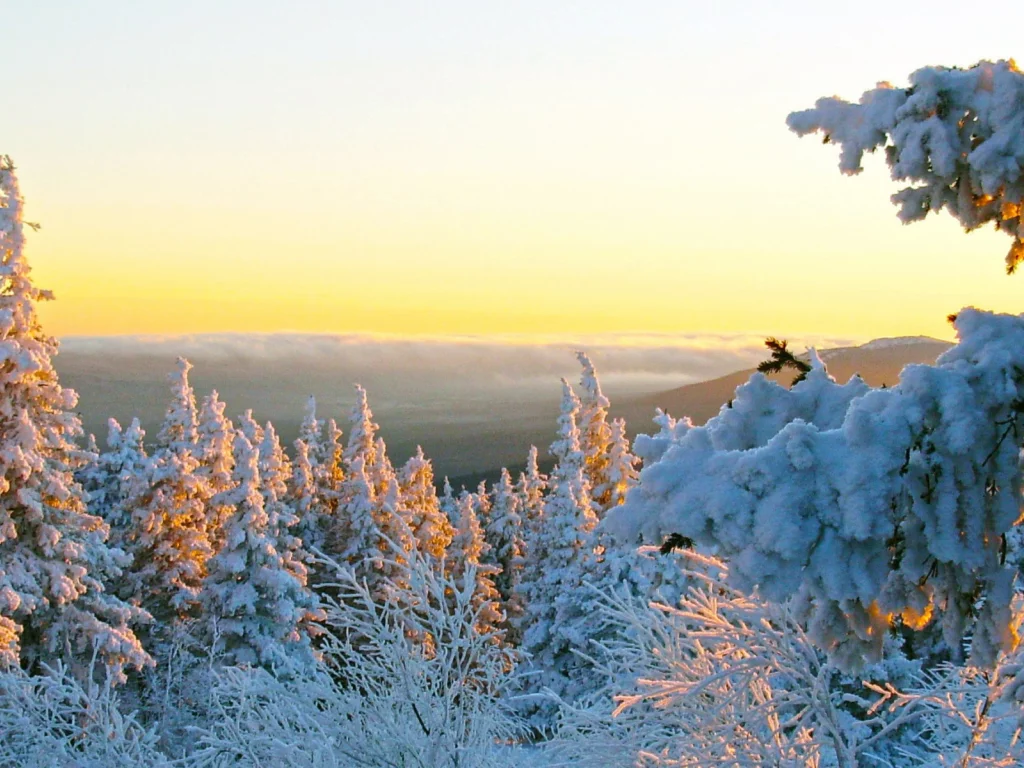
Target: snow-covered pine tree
330,473
53,554
421,509
121,479
553,585
954,135
595,436
466,555
867,508
256,608
311,433
362,437
168,538
448,504
250,427
216,460
504,534
622,465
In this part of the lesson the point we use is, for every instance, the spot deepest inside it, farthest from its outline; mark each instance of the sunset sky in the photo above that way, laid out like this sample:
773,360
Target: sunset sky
478,168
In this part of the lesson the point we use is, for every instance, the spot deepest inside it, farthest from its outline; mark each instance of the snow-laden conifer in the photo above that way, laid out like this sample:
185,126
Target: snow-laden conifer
311,431
255,602
868,508
531,487
53,554
622,466
120,478
362,435
553,585
595,436
250,427
215,434
954,135
168,538
504,534
466,555
421,508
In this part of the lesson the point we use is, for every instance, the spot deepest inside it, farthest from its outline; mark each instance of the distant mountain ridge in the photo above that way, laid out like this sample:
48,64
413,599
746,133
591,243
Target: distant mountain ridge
878,362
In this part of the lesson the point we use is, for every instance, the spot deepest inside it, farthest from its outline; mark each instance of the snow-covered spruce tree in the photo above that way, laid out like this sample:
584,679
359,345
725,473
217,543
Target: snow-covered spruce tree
504,535
369,534
215,433
531,487
866,508
553,585
53,554
421,509
469,573
119,479
448,504
362,436
954,135
250,427
622,465
254,600
595,436
168,538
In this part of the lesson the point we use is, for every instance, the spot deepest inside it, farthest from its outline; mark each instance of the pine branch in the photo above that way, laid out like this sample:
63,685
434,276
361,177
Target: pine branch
781,358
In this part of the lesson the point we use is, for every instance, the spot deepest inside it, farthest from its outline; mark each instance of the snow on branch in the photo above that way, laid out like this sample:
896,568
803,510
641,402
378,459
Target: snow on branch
957,135
867,508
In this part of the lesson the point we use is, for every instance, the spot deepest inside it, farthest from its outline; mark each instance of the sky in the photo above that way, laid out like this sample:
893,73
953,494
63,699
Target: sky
438,168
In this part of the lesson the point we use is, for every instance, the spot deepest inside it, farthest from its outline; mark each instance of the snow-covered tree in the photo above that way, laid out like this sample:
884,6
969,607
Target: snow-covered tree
168,537
866,508
447,503
504,535
214,451
552,587
421,509
53,554
622,466
531,487
362,436
119,478
250,427
311,433
255,602
595,436
954,135
468,571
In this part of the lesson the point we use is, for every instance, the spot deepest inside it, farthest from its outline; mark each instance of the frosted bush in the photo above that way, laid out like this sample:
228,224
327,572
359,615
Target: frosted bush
55,720
409,681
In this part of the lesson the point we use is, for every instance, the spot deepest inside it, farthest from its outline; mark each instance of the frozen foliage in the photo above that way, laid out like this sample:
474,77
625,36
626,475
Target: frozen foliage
54,720
723,678
214,436
53,554
868,508
550,587
255,602
595,437
168,537
468,572
955,135
399,688
504,533
118,478
420,507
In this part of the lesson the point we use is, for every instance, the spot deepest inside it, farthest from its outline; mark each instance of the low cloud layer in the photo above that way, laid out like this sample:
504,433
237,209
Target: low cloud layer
635,361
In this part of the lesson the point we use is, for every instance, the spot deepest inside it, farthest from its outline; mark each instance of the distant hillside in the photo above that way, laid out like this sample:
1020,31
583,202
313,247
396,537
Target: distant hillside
878,362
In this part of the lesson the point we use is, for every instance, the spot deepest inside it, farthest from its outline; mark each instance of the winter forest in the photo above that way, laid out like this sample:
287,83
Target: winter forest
824,574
